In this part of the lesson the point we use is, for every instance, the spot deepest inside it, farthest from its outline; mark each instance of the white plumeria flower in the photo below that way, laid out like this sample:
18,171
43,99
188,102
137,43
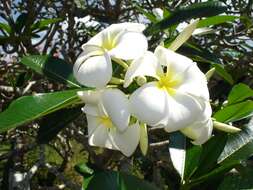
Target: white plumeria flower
125,41
177,97
201,130
108,121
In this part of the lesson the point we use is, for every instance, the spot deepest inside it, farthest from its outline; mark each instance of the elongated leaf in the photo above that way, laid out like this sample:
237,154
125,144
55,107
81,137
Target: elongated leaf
235,181
239,93
196,10
177,149
54,68
215,173
28,108
45,22
111,180
223,73
5,27
20,22
235,112
239,146
193,154
53,123
210,154
216,20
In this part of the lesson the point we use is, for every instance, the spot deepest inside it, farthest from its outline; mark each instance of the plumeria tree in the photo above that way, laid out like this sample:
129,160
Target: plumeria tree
128,96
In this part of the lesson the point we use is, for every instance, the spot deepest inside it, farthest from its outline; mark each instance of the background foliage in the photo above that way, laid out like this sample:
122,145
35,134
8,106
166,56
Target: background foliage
43,136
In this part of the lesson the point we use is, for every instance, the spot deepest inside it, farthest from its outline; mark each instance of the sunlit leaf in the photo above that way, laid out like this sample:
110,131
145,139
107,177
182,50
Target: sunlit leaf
239,93
29,108
54,68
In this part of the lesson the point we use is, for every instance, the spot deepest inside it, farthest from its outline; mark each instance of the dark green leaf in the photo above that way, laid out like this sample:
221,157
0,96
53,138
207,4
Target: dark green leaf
111,180
239,93
216,20
223,73
20,22
235,112
5,27
54,68
235,181
192,159
211,151
239,146
29,108
45,22
215,173
195,10
53,123
177,149
150,16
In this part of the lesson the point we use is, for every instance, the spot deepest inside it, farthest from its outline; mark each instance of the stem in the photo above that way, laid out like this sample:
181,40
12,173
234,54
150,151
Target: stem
121,63
115,80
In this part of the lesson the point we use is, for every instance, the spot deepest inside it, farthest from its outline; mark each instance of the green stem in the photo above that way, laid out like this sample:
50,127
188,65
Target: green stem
121,63
115,80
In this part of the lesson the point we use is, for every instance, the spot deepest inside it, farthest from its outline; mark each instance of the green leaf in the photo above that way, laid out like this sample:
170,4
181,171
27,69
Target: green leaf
210,154
45,22
239,93
149,15
223,73
20,22
196,10
193,154
214,20
239,146
53,123
54,68
83,169
111,180
29,108
235,181
177,149
5,27
215,173
235,112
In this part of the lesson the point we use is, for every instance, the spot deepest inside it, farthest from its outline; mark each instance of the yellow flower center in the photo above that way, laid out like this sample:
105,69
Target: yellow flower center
109,42
106,121
168,82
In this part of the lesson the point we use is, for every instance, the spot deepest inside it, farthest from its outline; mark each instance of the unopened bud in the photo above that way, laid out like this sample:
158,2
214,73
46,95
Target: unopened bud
143,139
210,73
224,127
141,80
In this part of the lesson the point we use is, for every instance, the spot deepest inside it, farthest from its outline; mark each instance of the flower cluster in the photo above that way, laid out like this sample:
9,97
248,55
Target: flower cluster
160,89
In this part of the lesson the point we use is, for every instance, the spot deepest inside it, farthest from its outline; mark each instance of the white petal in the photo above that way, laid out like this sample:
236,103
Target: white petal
184,35
146,65
93,123
95,71
127,141
200,132
100,137
90,96
116,106
91,109
88,51
148,104
175,62
129,45
113,30
183,111
194,82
